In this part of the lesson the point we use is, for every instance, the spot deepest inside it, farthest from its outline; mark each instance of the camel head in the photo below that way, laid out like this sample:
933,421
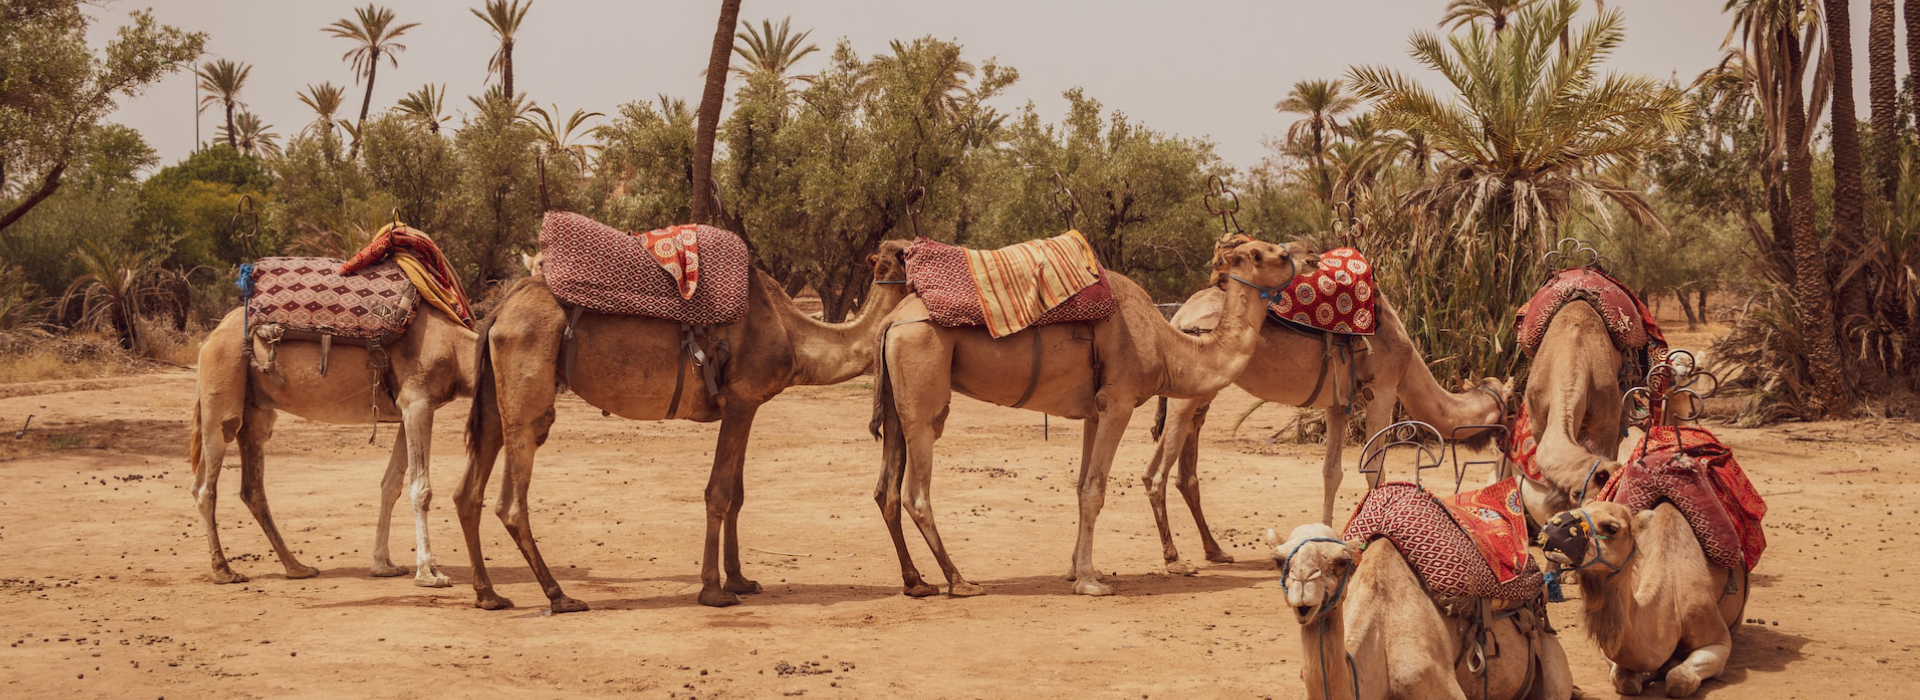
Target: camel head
1497,396
1259,263
1599,534
532,262
1315,565
889,262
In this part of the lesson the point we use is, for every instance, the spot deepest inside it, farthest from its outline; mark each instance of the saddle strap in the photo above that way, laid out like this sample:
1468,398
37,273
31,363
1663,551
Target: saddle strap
326,351
680,367
1033,375
1326,367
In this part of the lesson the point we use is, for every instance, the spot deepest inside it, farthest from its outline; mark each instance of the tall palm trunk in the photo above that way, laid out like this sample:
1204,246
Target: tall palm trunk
232,141
1881,92
1812,293
1912,16
710,100
373,67
506,68
1847,241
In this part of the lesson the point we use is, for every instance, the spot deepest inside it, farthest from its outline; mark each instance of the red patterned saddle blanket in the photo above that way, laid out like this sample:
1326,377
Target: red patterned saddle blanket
1688,467
946,281
1471,545
310,295
1628,320
1336,298
602,268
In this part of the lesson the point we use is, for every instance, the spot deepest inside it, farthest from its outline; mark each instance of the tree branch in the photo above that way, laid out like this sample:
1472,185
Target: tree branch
48,185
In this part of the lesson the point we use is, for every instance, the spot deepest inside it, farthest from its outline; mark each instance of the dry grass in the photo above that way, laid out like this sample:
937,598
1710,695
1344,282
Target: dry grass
161,342
32,356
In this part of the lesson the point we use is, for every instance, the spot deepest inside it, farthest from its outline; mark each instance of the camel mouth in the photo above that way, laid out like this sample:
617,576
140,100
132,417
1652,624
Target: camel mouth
1304,613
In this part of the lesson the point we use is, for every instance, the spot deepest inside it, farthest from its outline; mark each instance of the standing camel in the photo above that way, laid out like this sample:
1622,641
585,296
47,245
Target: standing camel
1288,368
1098,371
1370,629
624,366
430,365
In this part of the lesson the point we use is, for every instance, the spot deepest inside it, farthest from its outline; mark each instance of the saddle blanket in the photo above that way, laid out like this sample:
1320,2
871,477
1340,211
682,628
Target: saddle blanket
310,295
677,249
602,268
1628,320
1471,545
423,264
1688,467
1053,280
1336,298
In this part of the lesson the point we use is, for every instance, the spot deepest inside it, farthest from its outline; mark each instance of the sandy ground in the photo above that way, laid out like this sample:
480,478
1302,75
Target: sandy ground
105,590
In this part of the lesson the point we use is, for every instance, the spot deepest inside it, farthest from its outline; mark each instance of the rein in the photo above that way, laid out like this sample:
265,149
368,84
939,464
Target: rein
1286,574
1600,557
1266,293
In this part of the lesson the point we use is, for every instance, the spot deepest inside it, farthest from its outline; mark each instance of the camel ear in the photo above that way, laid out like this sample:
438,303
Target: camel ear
1273,538
873,260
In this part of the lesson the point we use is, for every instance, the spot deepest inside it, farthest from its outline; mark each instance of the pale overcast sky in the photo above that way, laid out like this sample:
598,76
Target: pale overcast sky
1210,68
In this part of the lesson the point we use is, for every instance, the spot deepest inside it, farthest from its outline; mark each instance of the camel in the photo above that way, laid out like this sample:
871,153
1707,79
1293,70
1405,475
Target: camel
1098,371
1573,389
626,366
1287,368
1651,600
1368,629
430,365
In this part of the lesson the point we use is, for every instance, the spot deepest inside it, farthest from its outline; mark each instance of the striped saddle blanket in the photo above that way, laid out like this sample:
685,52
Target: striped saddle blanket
590,264
1688,467
1336,298
1052,280
310,295
1471,545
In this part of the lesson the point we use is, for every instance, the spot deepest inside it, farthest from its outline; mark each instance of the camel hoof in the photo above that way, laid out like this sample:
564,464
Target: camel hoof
564,604
718,597
433,580
919,590
300,571
1091,587
389,571
228,576
1626,682
962,589
1181,568
742,586
492,601
1682,681
1220,557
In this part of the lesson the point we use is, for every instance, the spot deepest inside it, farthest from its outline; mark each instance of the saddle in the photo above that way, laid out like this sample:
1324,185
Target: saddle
699,281
1629,322
1694,471
1473,545
1037,283
308,299
1338,297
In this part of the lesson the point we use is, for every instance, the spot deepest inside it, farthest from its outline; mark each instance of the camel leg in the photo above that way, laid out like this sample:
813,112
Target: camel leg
1379,416
468,500
1627,681
1189,484
417,414
526,416
736,581
254,432
1108,427
389,494
1330,471
1553,680
886,494
919,478
723,487
206,480
1089,434
1705,661
1165,452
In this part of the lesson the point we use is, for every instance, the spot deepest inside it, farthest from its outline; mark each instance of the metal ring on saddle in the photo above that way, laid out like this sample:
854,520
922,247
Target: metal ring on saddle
1404,434
244,208
1065,202
1221,201
1564,251
1502,435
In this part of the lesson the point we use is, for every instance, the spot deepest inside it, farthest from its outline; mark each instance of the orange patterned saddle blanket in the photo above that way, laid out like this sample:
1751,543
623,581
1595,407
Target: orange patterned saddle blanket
1471,545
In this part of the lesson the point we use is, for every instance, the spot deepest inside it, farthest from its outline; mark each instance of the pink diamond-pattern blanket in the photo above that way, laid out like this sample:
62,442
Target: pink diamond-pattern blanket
1443,540
602,268
1688,467
309,294
1336,298
943,276
1628,320
678,250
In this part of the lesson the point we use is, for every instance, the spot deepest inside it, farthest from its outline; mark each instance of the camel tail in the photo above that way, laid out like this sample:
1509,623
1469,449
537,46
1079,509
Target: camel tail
193,443
1159,419
483,422
885,426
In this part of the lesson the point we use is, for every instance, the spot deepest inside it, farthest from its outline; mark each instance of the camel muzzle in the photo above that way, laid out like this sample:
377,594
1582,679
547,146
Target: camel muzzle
1564,537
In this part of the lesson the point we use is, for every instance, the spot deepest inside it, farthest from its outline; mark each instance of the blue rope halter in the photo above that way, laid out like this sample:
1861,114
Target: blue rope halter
1286,574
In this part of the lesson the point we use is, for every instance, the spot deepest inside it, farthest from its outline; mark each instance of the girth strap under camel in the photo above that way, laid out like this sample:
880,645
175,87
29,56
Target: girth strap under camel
1033,374
707,355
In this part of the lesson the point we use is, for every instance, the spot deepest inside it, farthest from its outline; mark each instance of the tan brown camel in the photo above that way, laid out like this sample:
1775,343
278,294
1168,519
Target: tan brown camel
1369,629
430,365
1651,600
1098,371
1287,368
626,366
1573,391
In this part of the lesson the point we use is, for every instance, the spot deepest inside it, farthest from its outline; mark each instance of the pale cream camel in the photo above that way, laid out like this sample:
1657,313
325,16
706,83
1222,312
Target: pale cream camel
1650,599
626,366
1287,369
1368,629
1098,371
1574,403
430,365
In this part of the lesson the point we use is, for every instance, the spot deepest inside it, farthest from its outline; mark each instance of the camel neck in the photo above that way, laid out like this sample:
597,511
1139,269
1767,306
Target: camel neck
1609,603
1218,357
1329,670
1423,395
830,353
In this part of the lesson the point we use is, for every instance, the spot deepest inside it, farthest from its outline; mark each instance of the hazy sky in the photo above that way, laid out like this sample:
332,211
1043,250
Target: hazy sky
1211,68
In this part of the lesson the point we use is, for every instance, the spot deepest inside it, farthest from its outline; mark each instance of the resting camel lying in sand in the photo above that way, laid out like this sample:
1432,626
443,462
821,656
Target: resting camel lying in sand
1369,629
1286,368
1098,371
432,364
1650,599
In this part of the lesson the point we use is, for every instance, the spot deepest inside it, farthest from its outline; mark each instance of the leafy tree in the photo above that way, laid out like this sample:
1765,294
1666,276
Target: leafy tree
646,164
56,91
416,167
504,19
187,209
426,105
222,80
497,195
1322,101
324,99
771,49
374,35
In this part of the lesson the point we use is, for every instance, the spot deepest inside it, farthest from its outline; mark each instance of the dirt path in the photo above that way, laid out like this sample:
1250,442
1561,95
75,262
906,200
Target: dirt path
104,591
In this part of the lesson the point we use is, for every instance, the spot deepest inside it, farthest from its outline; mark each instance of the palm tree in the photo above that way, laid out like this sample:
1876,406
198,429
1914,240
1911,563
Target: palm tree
772,49
495,95
558,137
373,33
252,136
1911,15
936,65
504,19
1847,239
1881,91
710,99
118,285
222,80
427,105
1462,13
1322,101
324,99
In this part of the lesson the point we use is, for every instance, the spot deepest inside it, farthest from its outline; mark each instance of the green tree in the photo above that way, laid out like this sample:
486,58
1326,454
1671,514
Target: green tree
222,80
186,209
427,105
418,168
374,35
324,99
771,49
646,164
252,136
496,195
1322,101
504,19
557,136
56,92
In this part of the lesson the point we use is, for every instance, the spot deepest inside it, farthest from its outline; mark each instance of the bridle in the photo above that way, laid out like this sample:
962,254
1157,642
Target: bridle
1600,557
1286,574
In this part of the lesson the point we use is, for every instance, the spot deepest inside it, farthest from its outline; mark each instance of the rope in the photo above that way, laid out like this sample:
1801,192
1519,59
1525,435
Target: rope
245,283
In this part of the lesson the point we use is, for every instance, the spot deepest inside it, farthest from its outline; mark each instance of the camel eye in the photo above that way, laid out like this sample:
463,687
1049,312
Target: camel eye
1609,528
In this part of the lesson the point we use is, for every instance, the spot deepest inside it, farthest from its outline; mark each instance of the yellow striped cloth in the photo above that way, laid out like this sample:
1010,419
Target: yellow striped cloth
1020,282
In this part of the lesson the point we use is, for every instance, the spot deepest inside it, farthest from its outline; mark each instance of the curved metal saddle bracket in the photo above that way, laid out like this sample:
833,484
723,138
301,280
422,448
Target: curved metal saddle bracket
1221,201
1570,253
1677,375
1065,202
247,237
1501,435
1419,437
